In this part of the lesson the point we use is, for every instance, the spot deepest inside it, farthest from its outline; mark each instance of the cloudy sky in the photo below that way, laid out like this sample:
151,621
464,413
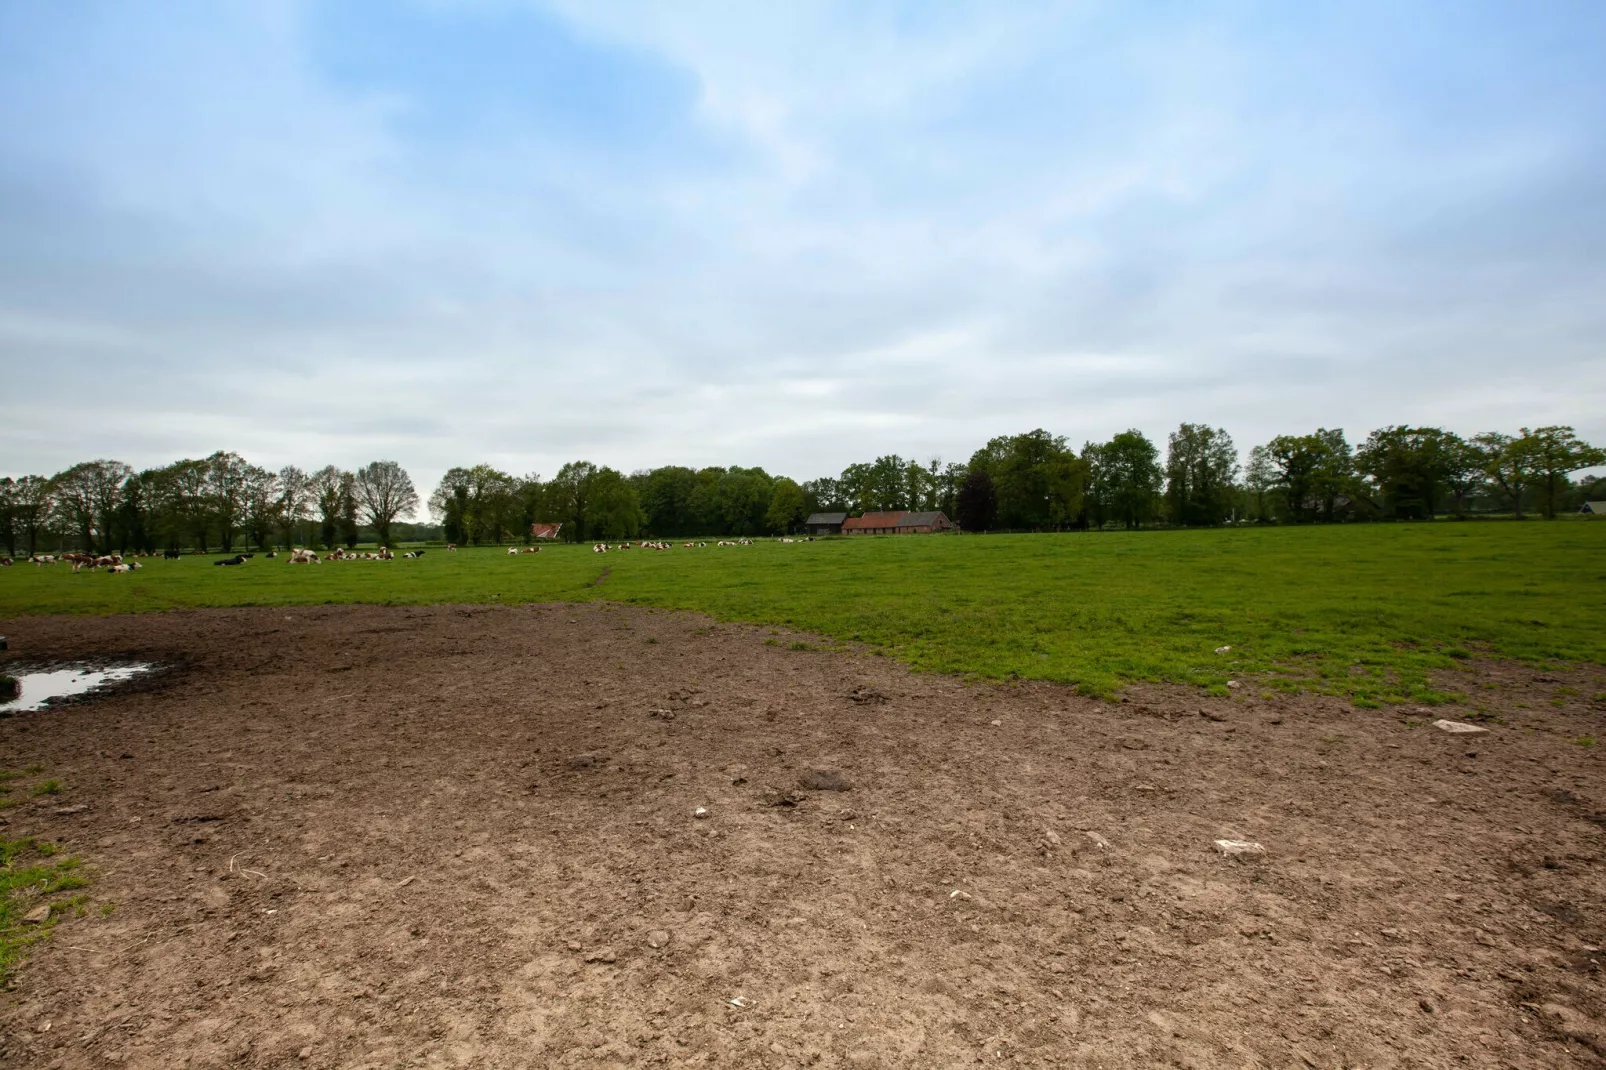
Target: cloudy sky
791,235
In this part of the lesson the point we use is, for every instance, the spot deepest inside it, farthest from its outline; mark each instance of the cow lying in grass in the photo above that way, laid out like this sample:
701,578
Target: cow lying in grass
303,557
237,559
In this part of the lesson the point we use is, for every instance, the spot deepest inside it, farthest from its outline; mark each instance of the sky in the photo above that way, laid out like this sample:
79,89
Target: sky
790,235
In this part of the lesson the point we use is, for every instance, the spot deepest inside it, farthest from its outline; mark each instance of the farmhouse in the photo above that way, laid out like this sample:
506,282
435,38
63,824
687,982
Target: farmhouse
825,523
901,522
545,531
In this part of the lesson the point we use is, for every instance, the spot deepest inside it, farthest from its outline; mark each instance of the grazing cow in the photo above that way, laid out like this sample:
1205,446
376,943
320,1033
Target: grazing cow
172,555
237,559
5,562
451,547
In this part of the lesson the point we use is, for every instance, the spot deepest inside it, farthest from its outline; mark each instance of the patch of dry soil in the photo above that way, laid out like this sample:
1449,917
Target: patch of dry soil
454,837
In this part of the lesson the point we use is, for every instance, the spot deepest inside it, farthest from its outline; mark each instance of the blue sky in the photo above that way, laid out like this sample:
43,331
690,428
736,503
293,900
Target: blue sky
790,235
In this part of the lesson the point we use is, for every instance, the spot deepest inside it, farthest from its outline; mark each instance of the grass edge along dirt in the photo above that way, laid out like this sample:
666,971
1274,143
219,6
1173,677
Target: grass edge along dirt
1369,612
33,874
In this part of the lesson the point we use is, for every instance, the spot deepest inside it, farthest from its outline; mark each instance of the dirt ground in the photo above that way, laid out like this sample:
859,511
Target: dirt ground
467,837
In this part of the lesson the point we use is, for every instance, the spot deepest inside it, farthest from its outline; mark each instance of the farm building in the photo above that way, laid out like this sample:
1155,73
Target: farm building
901,522
1594,508
825,523
545,531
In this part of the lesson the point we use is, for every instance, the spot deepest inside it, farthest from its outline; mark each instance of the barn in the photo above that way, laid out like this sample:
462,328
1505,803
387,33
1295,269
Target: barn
900,522
824,523
545,531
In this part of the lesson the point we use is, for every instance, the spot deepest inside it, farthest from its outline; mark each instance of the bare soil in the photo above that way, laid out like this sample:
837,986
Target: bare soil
467,837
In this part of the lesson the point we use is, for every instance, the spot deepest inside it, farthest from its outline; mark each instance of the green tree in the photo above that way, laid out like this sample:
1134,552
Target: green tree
1038,480
260,506
1409,467
594,502
1132,477
1554,453
8,514
1201,467
666,500
296,496
32,503
788,508
977,505
479,504
1509,463
1260,478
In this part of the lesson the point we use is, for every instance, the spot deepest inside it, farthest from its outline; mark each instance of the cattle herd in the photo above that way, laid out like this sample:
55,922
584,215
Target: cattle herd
118,563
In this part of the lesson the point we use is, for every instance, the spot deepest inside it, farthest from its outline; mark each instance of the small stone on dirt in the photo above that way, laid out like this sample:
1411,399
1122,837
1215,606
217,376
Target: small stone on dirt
1233,684
824,780
658,938
1239,848
1458,728
996,723
1098,841
68,811
304,1053
586,761
602,954
867,696
38,915
1212,715
700,813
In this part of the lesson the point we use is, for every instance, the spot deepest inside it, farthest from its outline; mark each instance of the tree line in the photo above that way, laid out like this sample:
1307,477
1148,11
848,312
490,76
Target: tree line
220,501
1034,481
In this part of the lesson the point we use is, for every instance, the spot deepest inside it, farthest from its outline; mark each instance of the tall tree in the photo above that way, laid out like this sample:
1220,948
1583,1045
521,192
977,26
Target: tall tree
8,514
1132,477
1038,480
1463,471
478,504
75,501
296,496
329,492
350,532
978,502
1554,453
1509,463
225,492
261,503
787,509
1201,467
1408,466
569,498
32,502
384,493
1260,477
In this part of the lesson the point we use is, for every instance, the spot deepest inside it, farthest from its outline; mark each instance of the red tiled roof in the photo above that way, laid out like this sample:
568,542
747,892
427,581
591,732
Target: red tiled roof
874,520
545,531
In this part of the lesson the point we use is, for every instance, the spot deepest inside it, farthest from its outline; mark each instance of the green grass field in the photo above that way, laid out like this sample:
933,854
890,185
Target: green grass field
1365,611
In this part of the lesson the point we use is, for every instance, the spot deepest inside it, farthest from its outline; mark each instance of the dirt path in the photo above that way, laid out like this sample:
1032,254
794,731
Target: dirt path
453,837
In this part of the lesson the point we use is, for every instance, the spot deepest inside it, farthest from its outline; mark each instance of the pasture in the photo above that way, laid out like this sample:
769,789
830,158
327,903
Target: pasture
1369,612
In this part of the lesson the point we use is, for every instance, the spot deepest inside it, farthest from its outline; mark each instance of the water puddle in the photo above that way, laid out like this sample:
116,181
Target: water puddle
39,688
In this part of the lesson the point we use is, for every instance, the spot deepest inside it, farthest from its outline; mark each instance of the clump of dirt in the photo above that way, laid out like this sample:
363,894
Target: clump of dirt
398,863
824,780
